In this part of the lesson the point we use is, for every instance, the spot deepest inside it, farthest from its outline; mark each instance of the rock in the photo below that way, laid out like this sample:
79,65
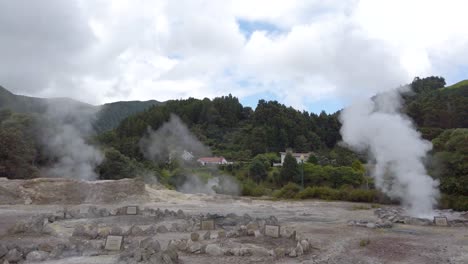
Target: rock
45,247
305,245
170,255
116,231
162,229
150,230
293,235
136,231
3,251
293,253
14,255
195,247
57,251
221,234
370,225
299,249
180,214
214,250
259,251
48,230
207,235
243,230
194,236
92,231
279,252
37,256
79,231
18,227
257,233
150,244
103,212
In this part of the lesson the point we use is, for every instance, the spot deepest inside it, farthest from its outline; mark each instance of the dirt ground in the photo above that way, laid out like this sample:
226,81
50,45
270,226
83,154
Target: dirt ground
323,223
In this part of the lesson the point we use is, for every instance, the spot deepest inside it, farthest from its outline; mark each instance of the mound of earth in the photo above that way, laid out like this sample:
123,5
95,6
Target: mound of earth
68,191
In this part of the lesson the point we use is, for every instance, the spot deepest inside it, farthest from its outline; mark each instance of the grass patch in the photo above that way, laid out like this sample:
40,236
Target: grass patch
360,207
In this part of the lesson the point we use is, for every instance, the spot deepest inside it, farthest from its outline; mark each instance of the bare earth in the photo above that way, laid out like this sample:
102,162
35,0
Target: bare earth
324,224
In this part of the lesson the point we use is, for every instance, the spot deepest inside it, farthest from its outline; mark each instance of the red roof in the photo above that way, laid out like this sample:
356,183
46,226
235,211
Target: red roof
211,159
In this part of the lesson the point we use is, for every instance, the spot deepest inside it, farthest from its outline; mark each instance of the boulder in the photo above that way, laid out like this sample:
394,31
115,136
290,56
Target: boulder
37,255
18,227
14,255
150,230
214,250
299,249
45,247
3,251
195,247
162,229
79,231
305,245
207,235
370,225
279,252
180,214
293,253
136,231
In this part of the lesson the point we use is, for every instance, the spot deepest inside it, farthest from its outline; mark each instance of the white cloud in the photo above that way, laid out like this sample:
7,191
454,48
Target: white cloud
101,51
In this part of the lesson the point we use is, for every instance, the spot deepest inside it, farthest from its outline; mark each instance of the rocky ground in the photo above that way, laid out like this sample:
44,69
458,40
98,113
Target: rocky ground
42,223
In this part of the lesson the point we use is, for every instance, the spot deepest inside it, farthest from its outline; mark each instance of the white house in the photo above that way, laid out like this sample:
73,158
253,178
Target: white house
300,157
212,161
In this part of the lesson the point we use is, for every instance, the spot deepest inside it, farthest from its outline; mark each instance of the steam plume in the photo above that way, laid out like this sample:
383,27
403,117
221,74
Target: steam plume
69,124
174,137
378,127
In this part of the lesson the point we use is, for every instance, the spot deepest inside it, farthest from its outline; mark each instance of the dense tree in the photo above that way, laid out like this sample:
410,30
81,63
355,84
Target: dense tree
290,170
257,170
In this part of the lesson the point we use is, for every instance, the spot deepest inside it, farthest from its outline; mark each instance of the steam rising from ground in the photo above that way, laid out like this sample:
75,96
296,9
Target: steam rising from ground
65,139
169,142
171,137
378,127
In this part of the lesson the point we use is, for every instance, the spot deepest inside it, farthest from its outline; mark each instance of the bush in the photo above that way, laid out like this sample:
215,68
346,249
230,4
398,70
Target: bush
346,194
459,203
289,191
249,188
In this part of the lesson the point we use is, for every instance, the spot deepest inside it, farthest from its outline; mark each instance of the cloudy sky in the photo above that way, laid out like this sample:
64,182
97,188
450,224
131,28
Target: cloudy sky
310,54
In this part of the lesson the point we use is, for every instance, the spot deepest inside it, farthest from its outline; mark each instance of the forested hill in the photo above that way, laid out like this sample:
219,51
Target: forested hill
106,117
232,130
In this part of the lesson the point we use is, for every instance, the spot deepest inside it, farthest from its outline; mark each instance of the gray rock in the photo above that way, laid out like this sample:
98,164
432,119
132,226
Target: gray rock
18,227
214,250
207,235
79,231
136,231
162,229
195,247
299,249
180,214
150,230
279,252
92,231
305,245
37,256
370,225
3,251
45,247
57,251
150,244
14,255
293,253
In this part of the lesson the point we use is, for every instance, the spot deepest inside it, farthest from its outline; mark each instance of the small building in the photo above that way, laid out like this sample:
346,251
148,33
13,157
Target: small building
212,161
187,156
298,156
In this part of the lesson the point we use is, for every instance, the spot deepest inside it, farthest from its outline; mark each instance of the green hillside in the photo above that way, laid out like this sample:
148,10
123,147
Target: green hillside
106,117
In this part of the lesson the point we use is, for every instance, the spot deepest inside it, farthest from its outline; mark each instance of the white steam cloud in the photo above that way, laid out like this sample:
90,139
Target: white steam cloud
171,137
171,141
397,149
69,123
